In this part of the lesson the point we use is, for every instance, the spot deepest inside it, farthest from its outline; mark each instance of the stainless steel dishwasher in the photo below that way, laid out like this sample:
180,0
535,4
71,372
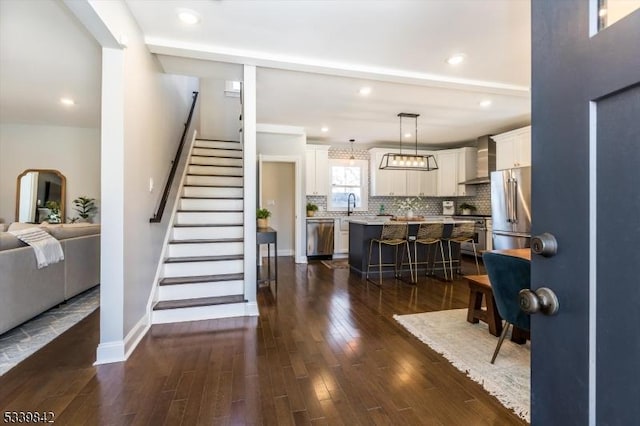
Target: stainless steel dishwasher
320,237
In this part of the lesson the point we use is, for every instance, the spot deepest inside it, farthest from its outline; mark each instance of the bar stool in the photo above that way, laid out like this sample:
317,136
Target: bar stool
393,235
462,233
428,235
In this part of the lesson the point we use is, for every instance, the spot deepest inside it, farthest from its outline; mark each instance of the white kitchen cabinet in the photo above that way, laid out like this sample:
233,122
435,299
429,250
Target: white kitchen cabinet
385,182
513,149
342,243
455,166
421,183
317,170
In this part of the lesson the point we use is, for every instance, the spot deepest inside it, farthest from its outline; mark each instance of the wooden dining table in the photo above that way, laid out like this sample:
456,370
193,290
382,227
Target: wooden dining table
524,253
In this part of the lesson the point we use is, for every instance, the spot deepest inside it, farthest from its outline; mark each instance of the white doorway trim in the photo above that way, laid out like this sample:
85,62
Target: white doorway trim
296,160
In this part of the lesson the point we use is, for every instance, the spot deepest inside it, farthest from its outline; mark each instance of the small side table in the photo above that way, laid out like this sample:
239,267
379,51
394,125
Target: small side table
268,236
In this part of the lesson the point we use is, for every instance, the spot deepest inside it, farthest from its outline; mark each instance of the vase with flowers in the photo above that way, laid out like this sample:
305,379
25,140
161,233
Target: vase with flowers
409,205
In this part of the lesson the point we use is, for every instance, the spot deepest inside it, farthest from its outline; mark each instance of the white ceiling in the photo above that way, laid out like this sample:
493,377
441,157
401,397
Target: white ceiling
45,54
312,58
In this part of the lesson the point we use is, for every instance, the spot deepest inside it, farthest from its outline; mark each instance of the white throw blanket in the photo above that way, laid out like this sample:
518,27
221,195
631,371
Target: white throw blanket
47,249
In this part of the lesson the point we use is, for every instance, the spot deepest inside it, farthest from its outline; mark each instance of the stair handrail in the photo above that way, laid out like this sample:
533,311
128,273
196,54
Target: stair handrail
157,217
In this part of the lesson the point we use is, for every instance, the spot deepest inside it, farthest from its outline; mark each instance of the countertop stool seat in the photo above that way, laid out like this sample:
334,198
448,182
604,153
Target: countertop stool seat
462,233
393,235
479,288
429,234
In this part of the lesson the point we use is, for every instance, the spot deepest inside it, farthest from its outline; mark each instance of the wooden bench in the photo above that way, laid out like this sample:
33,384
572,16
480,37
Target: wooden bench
479,287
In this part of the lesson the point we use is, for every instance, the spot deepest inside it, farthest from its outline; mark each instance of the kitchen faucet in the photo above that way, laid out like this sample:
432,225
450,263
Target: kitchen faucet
349,211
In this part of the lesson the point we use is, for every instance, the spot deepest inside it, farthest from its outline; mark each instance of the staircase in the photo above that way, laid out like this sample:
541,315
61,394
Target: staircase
202,275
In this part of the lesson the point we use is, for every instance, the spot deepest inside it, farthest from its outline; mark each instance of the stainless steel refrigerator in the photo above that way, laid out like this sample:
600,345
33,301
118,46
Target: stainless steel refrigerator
511,208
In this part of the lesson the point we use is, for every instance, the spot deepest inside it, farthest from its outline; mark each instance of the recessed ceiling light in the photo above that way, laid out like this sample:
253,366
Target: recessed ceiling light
324,129
456,59
189,17
407,135
67,101
486,103
602,12
364,91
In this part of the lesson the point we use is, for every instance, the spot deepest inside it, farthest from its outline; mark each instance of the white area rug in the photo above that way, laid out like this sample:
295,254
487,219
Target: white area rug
469,348
19,343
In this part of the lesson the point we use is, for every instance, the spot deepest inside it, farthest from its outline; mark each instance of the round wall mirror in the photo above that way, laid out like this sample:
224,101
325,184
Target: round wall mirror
40,196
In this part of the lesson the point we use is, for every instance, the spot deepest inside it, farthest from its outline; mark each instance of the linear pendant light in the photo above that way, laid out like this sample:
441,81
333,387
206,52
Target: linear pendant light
404,161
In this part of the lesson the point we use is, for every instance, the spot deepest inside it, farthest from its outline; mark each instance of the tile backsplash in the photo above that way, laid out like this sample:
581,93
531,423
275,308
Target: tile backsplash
432,206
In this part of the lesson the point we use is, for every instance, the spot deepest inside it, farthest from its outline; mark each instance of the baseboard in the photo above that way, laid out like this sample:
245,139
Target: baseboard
110,352
120,350
136,334
251,309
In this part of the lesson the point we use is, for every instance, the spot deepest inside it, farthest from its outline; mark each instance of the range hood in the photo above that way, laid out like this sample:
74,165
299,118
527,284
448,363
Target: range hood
486,162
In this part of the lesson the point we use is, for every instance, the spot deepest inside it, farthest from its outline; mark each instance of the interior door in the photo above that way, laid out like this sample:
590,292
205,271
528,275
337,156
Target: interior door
586,192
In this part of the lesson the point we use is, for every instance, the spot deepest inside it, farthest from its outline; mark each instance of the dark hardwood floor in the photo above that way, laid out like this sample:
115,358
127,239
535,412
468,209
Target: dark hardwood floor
326,352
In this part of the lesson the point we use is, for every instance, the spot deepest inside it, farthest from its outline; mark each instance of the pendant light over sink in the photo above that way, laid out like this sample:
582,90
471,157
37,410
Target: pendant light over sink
408,161
352,159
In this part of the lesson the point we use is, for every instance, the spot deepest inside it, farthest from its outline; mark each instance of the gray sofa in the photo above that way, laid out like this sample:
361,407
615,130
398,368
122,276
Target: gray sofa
26,291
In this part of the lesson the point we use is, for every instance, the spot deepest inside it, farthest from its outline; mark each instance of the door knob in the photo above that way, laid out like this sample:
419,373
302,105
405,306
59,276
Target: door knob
544,244
543,300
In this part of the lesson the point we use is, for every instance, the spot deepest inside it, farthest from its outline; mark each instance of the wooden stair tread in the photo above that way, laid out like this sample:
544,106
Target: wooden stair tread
220,240
226,149
212,198
215,140
193,303
201,174
215,165
206,225
202,258
201,279
209,211
217,155
213,186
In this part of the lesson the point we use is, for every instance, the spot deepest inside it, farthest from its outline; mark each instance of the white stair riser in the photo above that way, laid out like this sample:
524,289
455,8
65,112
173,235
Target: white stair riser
202,233
218,152
194,269
193,204
206,191
217,144
204,313
209,218
214,180
215,170
216,161
205,249
198,290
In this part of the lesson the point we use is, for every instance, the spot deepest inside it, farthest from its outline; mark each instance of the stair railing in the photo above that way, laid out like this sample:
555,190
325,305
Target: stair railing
157,217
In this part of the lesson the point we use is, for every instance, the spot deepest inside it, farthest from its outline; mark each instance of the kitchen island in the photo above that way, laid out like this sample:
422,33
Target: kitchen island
361,231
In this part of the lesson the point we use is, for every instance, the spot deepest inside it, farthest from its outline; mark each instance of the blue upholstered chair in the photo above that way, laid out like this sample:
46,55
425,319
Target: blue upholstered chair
508,275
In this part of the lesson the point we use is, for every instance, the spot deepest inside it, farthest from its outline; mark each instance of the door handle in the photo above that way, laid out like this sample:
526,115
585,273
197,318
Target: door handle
514,201
543,300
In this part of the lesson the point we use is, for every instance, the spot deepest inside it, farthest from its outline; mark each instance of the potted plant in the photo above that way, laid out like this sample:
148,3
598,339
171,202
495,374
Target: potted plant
467,208
263,216
311,209
85,207
54,212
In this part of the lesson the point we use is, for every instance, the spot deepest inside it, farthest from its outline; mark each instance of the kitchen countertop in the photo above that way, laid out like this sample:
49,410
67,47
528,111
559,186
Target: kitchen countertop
366,221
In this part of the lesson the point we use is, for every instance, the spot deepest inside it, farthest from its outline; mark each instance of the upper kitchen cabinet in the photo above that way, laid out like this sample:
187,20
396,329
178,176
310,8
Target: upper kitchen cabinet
455,166
385,182
317,169
513,149
400,182
421,183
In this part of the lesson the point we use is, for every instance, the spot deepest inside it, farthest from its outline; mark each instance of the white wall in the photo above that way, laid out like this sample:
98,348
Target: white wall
219,114
150,108
278,192
73,151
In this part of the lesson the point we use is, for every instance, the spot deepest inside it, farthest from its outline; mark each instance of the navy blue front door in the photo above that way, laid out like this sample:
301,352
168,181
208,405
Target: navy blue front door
586,192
